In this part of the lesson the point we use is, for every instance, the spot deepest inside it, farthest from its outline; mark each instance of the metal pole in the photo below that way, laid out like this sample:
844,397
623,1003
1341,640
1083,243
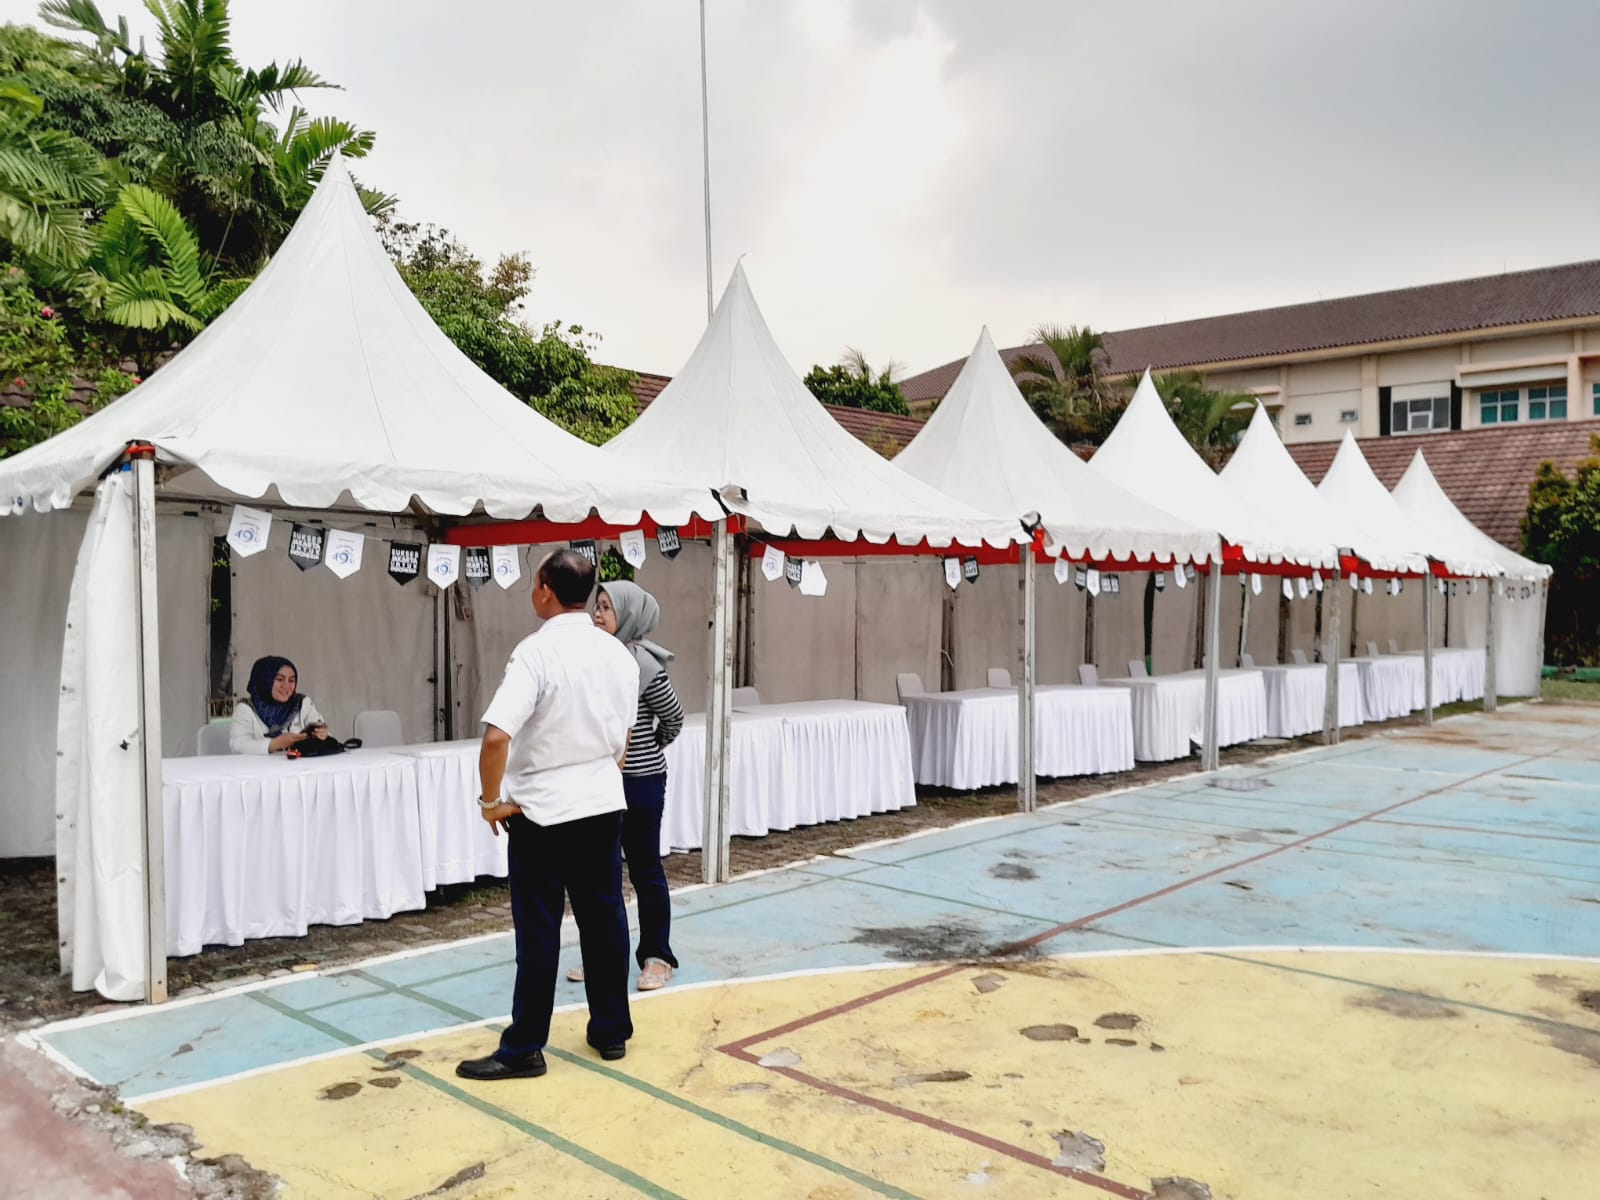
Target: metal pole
1027,783
1427,647
1491,699
149,669
719,712
705,151
1330,710
1211,756
1244,619
1538,649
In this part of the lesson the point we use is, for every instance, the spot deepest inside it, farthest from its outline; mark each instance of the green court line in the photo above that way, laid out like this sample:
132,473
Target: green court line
550,1138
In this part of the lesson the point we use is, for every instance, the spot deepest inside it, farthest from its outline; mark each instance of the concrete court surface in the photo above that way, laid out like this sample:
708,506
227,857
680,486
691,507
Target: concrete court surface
1364,970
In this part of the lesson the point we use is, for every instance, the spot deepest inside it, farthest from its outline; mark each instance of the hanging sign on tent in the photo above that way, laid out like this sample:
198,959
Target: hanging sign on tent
952,573
476,566
1288,588
1063,570
1115,584
586,547
667,541
1161,581
812,581
306,544
792,572
1472,587
969,569
1255,584
343,555
1316,580
1443,591
1093,582
444,564
1188,569
1366,586
506,564
1394,587
772,564
1080,578
405,561
1355,583
1304,586
1180,576
632,545
248,530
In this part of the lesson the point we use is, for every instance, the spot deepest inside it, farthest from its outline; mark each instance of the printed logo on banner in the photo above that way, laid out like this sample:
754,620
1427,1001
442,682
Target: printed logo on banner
405,561
812,581
667,541
632,545
476,566
507,565
343,553
444,564
952,573
1063,570
792,572
306,544
1093,582
586,547
249,530
969,568
772,564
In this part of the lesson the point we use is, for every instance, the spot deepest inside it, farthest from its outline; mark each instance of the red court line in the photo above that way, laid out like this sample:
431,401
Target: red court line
740,1049
1511,833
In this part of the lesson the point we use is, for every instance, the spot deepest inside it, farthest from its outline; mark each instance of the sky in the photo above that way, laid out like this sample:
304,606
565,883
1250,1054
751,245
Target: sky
898,173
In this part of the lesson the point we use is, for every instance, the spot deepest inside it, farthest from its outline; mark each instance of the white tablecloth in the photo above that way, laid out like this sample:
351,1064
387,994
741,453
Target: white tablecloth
262,846
1391,685
1458,674
1297,695
1169,711
457,843
968,739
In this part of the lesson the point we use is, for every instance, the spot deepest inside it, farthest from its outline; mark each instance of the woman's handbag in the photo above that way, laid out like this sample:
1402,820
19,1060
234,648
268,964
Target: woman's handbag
315,747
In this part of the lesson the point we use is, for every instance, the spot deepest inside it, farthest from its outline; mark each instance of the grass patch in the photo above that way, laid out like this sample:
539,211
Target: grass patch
1570,689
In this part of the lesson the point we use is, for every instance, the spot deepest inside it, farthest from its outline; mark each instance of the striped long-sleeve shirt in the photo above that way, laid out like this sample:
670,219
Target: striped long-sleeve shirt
659,720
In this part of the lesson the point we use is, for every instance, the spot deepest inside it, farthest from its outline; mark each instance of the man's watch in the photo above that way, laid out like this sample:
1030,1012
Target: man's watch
486,804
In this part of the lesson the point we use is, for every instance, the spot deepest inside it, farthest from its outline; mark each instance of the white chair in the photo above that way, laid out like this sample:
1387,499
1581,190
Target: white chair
378,728
999,677
746,697
213,739
1299,657
908,683
1394,646
1247,661
1088,675
1137,669
1372,649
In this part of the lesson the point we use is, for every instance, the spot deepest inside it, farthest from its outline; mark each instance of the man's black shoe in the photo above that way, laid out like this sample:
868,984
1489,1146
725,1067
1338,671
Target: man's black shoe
492,1068
614,1051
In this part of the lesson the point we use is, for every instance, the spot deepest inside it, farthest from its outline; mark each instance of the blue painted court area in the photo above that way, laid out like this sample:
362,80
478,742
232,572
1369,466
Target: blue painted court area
1481,834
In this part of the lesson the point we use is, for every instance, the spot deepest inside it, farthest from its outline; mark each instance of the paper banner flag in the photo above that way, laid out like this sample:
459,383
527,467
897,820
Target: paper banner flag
1288,587
631,544
507,565
306,543
1304,586
444,564
1161,581
667,541
1472,587
1116,584
343,555
1442,590
772,564
405,561
1366,586
1394,587
1093,582
792,571
969,569
952,573
812,581
585,547
1180,576
1080,578
476,566
1355,583
1316,580
1188,569
249,530
1255,585
1063,570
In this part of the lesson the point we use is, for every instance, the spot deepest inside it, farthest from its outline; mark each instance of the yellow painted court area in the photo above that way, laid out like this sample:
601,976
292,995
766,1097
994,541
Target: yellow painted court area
1261,1074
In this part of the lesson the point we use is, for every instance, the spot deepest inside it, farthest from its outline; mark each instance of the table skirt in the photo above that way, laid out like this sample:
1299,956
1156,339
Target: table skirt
1297,698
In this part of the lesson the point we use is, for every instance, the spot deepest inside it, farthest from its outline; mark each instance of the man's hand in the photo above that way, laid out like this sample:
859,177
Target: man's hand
500,816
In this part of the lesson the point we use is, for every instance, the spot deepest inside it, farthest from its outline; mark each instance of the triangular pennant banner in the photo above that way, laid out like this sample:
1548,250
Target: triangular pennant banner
1180,576
506,564
1114,583
306,544
1316,580
1288,587
1063,570
1366,586
952,573
969,569
1080,578
772,564
444,564
1304,586
586,547
667,541
1093,582
1255,585
1161,581
812,581
791,572
405,561
249,530
343,554
476,566
631,544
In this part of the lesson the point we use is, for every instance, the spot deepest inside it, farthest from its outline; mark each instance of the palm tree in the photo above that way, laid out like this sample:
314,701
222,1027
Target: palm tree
48,179
1062,377
1210,418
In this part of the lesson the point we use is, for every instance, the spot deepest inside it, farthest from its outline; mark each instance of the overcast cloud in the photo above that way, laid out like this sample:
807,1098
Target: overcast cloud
899,172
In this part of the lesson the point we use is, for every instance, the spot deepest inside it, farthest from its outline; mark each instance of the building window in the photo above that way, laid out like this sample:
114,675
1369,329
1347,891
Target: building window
1547,403
1419,416
1597,399
1302,419
1498,408
1349,416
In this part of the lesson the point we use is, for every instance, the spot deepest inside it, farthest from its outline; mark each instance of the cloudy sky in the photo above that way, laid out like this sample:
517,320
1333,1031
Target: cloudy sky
899,172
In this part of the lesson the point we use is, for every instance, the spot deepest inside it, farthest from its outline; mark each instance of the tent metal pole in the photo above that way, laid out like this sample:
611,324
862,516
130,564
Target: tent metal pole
1332,639
719,711
1491,685
1427,647
1244,619
1210,757
149,667
1538,647
1027,783
705,155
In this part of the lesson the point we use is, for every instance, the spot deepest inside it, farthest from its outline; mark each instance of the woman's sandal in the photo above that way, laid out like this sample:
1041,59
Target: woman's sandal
656,974
575,974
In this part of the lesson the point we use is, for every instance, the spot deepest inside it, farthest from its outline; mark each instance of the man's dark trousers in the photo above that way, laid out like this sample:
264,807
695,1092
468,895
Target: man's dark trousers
580,859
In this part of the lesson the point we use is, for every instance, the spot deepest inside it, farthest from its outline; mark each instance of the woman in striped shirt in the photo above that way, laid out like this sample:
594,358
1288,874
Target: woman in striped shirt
631,613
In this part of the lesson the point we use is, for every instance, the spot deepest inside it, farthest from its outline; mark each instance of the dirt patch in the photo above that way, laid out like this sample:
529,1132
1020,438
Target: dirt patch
387,1081
1078,1151
339,1091
465,1175
931,1077
1403,1004
957,940
1049,1033
1176,1187
1579,1042
1010,870
396,1059
1589,1000
988,983
1121,1042
1117,1020
1555,983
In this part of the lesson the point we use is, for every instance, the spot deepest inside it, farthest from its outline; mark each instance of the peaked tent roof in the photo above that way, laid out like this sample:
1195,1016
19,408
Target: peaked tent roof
1262,475
1352,487
984,445
737,418
1149,457
1424,501
326,376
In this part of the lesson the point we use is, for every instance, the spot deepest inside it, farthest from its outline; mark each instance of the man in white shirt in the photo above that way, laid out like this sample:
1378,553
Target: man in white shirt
554,738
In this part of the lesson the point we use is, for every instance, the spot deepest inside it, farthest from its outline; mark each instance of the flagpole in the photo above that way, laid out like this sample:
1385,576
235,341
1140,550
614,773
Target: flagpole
705,151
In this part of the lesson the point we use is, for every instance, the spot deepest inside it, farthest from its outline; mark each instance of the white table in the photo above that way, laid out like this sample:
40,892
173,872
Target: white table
457,843
1297,696
263,846
1391,685
1458,673
1169,711
968,739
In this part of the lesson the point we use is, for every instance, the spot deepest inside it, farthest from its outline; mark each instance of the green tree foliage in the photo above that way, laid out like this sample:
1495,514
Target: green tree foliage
48,179
1062,377
1562,528
855,383
481,312
1212,419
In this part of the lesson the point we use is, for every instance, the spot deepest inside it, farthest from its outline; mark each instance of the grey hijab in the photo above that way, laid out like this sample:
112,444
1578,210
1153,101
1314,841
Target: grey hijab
637,615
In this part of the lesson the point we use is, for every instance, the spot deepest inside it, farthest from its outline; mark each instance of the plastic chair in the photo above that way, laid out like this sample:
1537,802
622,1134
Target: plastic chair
999,677
1299,657
1394,646
1088,675
746,697
1137,669
379,727
1372,649
213,739
908,683
1247,661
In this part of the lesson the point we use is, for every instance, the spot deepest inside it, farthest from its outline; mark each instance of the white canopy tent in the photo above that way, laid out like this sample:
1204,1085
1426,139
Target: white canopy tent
1514,633
1147,456
738,418
325,385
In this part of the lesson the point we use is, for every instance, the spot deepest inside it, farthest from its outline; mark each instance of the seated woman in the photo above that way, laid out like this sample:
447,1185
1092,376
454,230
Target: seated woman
274,717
